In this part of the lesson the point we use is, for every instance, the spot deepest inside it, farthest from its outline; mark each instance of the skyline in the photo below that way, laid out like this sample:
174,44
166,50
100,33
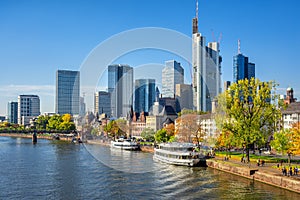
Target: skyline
39,38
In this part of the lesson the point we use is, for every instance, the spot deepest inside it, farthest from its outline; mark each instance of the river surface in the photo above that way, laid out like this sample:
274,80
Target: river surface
59,170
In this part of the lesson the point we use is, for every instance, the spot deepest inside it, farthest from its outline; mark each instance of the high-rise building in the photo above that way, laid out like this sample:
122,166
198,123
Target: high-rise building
67,92
102,103
12,112
28,107
184,94
82,107
206,63
120,86
172,74
144,94
242,68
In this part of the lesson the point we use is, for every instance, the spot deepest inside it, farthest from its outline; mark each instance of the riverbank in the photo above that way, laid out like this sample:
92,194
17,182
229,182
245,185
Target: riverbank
39,136
265,174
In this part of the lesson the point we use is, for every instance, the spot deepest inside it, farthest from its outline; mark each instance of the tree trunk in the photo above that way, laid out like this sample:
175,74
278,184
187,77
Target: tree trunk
248,153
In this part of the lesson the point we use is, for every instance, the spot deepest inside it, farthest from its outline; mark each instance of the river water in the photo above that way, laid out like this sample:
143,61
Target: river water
58,170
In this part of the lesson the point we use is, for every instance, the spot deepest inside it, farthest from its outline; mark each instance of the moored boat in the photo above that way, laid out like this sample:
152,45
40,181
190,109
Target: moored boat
186,154
126,144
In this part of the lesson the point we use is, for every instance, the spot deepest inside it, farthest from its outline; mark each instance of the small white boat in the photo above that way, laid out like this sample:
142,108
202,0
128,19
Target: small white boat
175,153
126,144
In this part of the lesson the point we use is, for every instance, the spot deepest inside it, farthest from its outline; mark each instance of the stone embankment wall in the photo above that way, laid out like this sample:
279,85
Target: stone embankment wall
39,136
252,173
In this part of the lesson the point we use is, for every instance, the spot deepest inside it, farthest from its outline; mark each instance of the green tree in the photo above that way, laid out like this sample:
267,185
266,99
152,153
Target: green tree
42,122
54,122
281,141
161,136
148,134
252,111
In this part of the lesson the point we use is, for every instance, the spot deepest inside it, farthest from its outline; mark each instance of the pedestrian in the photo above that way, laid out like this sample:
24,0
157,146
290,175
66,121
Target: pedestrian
262,163
291,171
296,170
242,159
258,161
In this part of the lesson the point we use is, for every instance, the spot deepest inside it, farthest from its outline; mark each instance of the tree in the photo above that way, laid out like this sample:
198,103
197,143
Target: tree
161,136
225,140
148,134
281,141
41,122
170,128
54,122
116,128
295,139
252,111
188,128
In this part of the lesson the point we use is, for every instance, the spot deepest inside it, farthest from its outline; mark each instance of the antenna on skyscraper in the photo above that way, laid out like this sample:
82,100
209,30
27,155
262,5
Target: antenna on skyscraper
197,9
239,46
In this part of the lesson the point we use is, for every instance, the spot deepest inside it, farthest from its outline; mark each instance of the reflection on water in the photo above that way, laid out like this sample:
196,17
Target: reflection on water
51,170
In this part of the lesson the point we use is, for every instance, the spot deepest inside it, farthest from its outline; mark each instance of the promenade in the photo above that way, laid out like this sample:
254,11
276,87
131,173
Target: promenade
269,173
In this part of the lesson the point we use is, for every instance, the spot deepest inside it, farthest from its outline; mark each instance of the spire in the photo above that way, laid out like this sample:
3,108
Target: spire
197,10
239,46
195,20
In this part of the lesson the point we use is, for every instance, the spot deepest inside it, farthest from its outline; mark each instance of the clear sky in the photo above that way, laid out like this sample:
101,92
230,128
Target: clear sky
37,37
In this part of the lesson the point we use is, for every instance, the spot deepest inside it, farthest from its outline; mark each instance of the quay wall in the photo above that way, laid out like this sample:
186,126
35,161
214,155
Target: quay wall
254,174
39,136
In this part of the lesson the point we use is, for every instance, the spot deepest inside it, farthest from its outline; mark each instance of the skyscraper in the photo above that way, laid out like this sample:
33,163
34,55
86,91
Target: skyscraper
144,94
120,86
102,103
184,94
12,112
206,63
67,92
172,74
28,107
242,68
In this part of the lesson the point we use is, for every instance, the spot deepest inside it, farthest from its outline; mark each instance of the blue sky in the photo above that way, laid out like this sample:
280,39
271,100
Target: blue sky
37,37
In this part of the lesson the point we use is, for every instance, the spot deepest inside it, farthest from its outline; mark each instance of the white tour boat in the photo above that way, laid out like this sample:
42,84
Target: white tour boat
126,144
178,154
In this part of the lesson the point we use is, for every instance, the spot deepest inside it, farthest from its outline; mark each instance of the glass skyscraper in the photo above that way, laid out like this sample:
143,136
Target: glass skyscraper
67,92
144,94
172,74
242,68
120,86
12,112
206,63
102,103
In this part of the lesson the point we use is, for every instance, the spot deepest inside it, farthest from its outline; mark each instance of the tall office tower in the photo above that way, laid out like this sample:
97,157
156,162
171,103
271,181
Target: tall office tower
28,107
82,107
67,92
144,94
120,86
102,103
172,74
206,63
12,112
242,68
184,94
